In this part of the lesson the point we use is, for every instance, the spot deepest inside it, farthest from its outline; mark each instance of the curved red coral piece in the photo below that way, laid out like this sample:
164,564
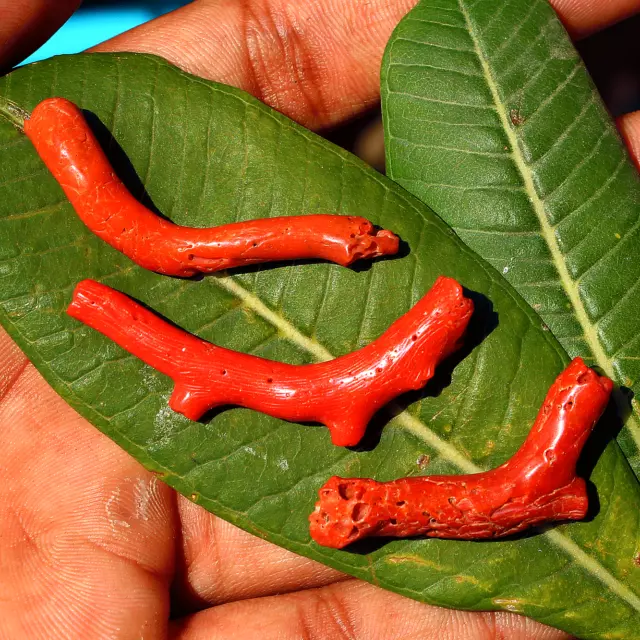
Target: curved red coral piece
66,144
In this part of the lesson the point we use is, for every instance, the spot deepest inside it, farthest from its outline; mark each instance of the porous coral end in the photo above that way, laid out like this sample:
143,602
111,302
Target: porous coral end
340,517
370,243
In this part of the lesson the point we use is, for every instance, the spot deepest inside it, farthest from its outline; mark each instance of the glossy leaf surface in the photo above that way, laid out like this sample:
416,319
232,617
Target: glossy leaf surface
492,119
208,154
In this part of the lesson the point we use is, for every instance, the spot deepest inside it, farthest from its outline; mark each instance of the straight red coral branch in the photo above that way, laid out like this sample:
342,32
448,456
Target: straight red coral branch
343,393
537,485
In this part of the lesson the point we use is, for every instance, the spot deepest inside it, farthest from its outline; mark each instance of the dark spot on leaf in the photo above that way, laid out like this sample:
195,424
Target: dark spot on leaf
516,118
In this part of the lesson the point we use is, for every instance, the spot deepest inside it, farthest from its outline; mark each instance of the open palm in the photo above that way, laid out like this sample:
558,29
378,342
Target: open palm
91,544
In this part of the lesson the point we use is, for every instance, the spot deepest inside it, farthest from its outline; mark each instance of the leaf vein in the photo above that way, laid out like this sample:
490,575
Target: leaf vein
488,154
596,194
577,167
488,107
422,65
554,94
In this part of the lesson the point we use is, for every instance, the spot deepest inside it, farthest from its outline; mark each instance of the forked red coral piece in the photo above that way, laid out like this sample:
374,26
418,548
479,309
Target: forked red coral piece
537,485
343,393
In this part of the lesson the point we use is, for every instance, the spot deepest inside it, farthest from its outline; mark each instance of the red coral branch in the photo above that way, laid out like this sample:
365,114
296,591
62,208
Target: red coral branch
537,485
343,393
71,152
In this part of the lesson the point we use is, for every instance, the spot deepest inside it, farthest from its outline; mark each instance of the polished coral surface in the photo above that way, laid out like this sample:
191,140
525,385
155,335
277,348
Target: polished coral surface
343,393
66,144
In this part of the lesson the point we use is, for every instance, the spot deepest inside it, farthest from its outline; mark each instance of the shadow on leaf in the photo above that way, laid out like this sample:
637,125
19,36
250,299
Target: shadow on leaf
368,546
120,162
483,322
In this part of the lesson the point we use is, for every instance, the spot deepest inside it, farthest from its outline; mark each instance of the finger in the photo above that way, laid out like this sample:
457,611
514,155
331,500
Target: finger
26,24
582,17
317,62
78,520
220,563
357,611
629,126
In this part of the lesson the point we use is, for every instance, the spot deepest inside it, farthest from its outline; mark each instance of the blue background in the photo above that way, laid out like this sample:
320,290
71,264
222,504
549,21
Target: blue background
96,21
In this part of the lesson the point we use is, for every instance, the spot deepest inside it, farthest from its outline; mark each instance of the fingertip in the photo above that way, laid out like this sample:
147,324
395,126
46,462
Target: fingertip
629,126
583,17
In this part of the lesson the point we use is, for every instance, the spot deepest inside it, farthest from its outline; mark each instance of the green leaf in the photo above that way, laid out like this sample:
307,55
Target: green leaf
209,154
492,120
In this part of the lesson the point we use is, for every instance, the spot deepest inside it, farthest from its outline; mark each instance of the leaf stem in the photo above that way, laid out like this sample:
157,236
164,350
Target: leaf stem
12,112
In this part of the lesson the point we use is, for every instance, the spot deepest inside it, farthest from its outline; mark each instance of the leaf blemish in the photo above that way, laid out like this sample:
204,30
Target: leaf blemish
510,604
515,117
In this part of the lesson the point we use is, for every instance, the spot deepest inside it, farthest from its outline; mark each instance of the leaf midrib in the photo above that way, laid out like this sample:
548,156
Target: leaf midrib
422,431
547,231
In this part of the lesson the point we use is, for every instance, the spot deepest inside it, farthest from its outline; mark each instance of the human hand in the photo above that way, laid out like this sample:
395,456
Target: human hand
92,546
